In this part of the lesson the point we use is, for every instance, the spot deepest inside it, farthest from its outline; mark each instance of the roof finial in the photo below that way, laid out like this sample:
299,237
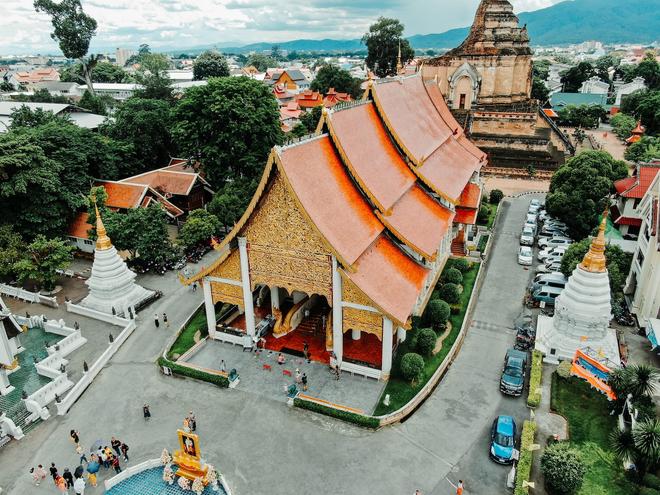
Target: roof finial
399,65
102,239
594,260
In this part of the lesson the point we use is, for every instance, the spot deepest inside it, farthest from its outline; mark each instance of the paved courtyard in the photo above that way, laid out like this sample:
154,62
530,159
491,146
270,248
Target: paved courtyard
356,391
264,447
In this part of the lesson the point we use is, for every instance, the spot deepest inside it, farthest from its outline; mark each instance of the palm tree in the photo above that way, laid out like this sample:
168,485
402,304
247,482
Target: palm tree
642,379
646,435
623,445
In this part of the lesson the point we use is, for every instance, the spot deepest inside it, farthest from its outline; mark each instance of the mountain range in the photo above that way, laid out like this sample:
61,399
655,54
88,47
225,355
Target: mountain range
572,21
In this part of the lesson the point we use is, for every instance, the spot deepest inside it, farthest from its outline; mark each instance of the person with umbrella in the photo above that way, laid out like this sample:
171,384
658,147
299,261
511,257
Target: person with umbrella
92,468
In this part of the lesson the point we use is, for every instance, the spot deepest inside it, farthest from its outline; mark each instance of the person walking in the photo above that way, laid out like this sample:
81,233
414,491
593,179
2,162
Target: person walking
115,464
75,437
79,486
194,287
298,376
146,412
223,366
304,381
91,477
116,444
81,453
166,322
459,488
61,485
39,475
124,451
156,320
306,351
53,470
68,477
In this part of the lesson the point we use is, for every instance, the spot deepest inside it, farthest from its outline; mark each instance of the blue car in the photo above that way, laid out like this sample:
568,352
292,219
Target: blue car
503,440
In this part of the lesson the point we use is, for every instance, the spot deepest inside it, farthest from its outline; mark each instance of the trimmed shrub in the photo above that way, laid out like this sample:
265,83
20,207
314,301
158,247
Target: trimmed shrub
426,339
349,417
496,196
482,216
564,369
524,468
652,481
412,365
449,292
437,313
178,369
459,263
452,276
534,397
563,469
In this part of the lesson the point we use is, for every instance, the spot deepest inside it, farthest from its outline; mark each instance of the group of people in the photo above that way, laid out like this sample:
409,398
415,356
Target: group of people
106,456
190,423
166,322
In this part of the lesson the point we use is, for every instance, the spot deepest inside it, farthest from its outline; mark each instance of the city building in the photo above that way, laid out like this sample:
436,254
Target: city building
487,82
116,91
291,79
594,85
24,79
626,214
77,115
643,284
122,55
348,232
563,100
637,84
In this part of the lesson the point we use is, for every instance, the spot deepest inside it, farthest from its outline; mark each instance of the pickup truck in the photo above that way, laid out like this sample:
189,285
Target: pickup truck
512,381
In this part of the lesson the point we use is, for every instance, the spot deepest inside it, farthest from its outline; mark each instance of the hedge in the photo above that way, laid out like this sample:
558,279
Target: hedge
177,369
524,467
534,397
349,417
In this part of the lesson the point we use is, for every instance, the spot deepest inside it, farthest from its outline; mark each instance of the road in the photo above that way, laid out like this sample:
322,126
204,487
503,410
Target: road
264,447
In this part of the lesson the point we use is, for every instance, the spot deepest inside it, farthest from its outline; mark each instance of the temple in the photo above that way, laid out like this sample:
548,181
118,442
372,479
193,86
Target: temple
348,230
582,311
112,287
10,346
487,82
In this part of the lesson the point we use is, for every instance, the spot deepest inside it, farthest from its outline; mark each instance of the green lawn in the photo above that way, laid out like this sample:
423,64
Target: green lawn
482,243
186,338
589,425
492,210
401,392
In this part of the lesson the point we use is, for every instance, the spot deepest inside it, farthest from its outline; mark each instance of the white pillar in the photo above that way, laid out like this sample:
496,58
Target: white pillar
210,308
275,298
401,334
337,319
387,347
247,290
355,334
5,386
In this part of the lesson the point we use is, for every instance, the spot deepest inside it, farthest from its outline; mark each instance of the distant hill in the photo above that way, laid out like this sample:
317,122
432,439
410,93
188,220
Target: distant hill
572,21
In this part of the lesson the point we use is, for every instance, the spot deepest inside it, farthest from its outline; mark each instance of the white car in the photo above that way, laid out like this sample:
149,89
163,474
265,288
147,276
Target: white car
554,241
527,236
525,255
532,226
551,251
553,266
531,218
536,202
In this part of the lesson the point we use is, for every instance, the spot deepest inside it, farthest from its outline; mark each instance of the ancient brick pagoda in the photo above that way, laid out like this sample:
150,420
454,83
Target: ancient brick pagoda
349,230
487,82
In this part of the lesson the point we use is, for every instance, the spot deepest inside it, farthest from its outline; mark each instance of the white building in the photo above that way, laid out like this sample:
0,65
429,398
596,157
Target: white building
636,84
122,55
643,284
77,115
594,85
626,214
117,91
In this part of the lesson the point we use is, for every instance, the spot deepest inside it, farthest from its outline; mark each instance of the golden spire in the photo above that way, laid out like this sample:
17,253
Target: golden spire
399,65
594,261
102,239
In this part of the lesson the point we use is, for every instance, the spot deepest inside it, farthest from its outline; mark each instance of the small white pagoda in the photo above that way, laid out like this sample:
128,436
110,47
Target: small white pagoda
582,311
112,287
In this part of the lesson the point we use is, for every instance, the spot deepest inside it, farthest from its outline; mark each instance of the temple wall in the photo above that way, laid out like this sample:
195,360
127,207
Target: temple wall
359,319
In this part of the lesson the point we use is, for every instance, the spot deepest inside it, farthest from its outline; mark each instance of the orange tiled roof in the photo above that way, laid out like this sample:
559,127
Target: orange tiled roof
332,97
166,181
309,99
290,111
123,195
466,215
550,113
470,196
636,186
79,226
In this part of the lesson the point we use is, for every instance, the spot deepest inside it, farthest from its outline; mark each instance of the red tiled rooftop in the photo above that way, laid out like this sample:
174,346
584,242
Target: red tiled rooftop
309,99
636,186
165,181
79,226
122,195
470,196
550,113
330,198
467,216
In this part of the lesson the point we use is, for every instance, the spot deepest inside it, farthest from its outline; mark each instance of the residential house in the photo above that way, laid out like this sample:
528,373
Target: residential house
23,79
77,115
292,79
59,88
643,284
290,115
626,213
309,99
595,86
283,95
117,91
636,84
332,98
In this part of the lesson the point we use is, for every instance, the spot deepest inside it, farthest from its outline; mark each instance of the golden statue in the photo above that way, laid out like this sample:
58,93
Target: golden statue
188,457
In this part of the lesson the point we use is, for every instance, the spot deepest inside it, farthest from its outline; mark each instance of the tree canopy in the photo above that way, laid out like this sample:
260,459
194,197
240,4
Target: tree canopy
260,61
41,260
579,190
104,72
198,229
210,64
152,75
644,105
644,150
331,76
383,41
573,78
585,116
230,126
229,203
622,125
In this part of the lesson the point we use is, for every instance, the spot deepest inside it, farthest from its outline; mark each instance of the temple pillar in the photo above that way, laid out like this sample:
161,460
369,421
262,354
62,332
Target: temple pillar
247,290
337,318
355,334
387,348
210,308
401,334
5,386
274,298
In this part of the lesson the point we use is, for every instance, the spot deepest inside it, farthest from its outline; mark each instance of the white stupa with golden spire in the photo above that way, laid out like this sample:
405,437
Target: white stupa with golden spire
112,287
583,311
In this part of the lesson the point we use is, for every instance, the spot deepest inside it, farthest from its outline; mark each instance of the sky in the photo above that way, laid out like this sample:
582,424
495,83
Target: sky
188,23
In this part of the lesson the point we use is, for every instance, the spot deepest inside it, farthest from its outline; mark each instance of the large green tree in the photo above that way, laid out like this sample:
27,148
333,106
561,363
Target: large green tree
622,125
573,78
645,150
43,257
332,76
584,116
230,126
383,41
580,188
12,250
260,62
644,105
73,30
649,69
104,72
144,124
152,75
229,203
24,116
210,64
41,96
198,229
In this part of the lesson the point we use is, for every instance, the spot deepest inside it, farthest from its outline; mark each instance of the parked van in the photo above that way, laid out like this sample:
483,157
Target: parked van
552,276
549,281
546,294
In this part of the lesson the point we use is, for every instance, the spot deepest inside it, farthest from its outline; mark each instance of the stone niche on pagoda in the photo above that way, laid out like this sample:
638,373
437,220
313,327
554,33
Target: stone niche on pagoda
582,311
112,287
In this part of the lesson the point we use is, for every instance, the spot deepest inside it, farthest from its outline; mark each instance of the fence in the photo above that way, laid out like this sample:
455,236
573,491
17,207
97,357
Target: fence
26,295
97,315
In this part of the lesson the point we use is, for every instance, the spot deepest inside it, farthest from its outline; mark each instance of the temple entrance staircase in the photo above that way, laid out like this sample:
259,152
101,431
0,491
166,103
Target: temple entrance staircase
458,244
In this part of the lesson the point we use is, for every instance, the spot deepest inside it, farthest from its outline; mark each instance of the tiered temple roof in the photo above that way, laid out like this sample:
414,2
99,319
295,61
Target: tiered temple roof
379,210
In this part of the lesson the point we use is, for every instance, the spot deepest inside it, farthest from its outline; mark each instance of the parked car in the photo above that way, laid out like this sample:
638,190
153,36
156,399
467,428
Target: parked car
527,236
552,279
549,266
532,226
551,251
533,210
525,256
531,218
546,295
503,440
555,241
536,202
512,380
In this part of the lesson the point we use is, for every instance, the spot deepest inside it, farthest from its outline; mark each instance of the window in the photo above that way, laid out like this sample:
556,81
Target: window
461,104
640,258
88,242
